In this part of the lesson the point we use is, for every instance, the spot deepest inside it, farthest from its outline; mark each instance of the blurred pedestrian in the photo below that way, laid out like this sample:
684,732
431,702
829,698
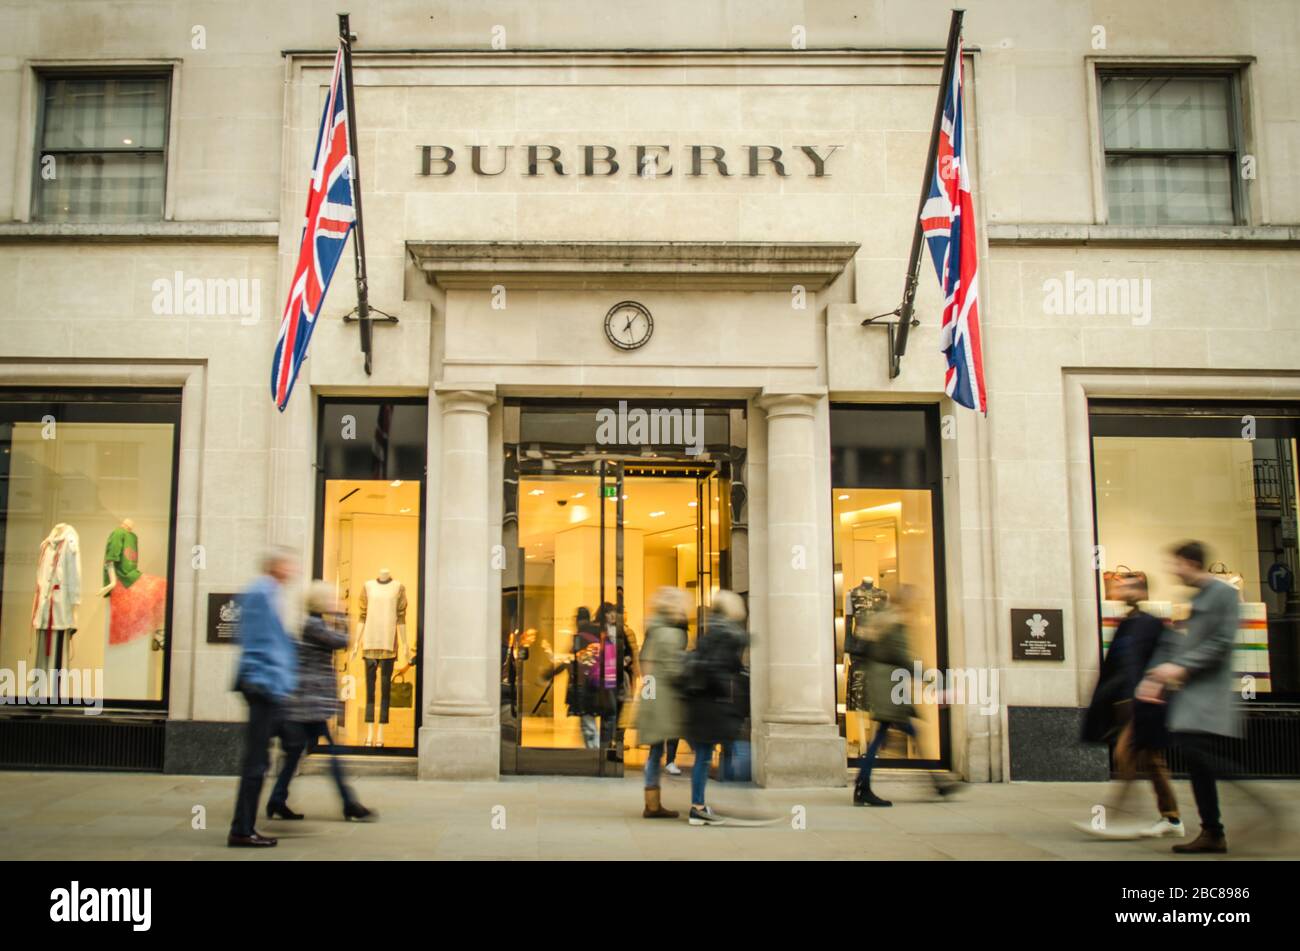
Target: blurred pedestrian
660,710
711,684
314,702
1197,684
267,675
883,649
1141,643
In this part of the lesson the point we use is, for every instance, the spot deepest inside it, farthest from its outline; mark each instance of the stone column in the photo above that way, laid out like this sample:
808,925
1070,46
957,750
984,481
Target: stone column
460,735
799,743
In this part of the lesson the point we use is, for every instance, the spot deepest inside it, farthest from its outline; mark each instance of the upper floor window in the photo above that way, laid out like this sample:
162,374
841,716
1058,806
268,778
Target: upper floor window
1171,148
102,142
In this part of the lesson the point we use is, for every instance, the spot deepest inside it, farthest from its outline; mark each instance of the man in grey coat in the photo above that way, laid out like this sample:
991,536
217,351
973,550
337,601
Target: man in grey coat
1197,683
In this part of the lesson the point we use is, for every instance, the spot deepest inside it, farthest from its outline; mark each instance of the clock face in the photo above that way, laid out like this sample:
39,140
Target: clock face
628,325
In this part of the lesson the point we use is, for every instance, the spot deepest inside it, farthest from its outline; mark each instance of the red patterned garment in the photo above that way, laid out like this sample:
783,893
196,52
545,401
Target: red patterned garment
137,610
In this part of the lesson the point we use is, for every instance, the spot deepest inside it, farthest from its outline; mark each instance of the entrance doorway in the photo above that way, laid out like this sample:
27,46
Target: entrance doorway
595,533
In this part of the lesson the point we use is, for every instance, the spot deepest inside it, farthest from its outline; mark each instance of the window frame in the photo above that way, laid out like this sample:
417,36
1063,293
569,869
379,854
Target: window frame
44,74
1240,123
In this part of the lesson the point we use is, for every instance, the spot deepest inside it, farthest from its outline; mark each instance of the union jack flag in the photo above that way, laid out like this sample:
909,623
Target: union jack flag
331,215
948,221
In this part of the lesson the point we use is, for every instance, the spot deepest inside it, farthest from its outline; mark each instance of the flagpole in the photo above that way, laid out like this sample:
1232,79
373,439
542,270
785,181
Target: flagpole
918,234
359,239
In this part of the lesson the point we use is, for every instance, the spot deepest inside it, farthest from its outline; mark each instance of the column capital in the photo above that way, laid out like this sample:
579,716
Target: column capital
802,401
465,397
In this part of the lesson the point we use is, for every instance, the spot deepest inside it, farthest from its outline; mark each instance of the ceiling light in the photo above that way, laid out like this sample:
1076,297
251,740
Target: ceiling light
537,492
843,498
692,504
577,495
402,511
656,514
396,483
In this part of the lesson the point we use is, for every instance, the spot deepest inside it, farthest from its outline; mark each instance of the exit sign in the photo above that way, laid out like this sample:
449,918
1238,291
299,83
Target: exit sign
611,491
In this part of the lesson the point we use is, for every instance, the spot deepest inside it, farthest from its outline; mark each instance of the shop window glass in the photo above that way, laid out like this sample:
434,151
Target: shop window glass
86,534
884,466
371,471
1225,478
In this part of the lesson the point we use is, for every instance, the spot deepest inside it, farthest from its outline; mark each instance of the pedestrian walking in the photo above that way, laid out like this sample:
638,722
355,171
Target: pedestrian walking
711,683
660,710
314,702
883,649
1197,684
267,674
1141,642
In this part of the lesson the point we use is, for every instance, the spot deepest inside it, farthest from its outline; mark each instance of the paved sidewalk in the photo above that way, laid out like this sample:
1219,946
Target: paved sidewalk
61,815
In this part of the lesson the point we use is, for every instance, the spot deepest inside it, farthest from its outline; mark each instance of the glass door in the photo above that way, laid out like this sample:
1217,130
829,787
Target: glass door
561,629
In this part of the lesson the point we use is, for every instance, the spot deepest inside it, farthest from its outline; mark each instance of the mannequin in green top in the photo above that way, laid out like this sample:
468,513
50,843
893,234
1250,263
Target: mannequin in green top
120,557
137,601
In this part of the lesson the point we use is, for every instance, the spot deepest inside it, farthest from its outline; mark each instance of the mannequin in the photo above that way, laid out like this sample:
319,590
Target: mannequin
380,628
58,594
137,604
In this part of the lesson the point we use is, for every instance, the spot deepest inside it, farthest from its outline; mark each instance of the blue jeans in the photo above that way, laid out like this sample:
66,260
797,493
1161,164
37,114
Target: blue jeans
700,772
877,741
652,765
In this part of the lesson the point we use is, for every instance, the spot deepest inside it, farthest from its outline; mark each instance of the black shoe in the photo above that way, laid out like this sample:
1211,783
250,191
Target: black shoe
254,841
945,789
868,798
358,813
281,811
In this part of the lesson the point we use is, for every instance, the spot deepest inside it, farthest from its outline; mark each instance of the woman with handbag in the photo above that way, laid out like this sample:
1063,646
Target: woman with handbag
711,683
314,701
660,712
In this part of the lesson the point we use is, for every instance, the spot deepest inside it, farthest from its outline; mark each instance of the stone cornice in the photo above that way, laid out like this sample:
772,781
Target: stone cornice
698,265
232,231
1229,236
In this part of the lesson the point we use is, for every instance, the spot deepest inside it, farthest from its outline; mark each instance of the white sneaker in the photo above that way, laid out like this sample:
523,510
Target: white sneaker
672,769
1165,828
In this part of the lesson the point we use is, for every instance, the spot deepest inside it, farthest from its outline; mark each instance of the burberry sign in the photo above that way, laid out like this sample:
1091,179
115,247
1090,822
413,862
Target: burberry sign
646,161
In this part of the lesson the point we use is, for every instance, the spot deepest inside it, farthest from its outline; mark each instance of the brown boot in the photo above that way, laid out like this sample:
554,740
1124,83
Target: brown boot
654,808
1205,842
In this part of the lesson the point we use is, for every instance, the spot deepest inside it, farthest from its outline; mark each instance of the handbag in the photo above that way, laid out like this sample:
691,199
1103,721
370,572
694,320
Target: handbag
1220,571
402,693
1114,581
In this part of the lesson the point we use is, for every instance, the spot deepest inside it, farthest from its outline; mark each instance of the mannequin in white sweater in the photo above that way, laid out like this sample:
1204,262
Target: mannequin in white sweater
381,628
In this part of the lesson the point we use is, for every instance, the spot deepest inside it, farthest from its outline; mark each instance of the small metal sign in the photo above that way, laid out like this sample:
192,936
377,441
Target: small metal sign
1037,634
223,618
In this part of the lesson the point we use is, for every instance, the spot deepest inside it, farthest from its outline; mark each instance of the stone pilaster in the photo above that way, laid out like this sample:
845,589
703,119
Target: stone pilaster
798,743
460,735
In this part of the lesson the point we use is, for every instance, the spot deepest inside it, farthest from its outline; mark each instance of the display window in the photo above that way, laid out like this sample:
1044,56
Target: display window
1223,475
369,546
87,516
885,521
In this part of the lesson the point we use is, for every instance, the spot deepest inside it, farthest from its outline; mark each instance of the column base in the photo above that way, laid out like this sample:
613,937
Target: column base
799,754
464,749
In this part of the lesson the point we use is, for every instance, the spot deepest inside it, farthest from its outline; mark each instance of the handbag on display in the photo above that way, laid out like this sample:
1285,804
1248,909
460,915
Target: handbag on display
1220,571
402,693
1113,582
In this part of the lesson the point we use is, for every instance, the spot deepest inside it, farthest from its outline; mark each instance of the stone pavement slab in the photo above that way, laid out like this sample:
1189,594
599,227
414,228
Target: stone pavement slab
65,815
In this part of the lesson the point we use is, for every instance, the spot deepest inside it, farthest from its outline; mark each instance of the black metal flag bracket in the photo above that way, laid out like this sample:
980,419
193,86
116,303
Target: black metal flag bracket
363,308
899,329
895,361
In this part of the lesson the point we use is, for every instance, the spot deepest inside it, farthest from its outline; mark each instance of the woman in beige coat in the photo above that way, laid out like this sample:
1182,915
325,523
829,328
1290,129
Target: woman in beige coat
661,714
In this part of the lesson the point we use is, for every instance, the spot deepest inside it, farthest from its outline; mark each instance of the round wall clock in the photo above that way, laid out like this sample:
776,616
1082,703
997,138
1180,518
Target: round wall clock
628,325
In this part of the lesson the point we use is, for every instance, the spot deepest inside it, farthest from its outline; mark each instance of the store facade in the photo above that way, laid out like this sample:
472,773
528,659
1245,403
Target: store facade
629,291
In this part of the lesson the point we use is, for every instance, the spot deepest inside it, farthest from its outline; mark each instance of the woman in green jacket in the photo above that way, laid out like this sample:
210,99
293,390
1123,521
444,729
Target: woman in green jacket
660,714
